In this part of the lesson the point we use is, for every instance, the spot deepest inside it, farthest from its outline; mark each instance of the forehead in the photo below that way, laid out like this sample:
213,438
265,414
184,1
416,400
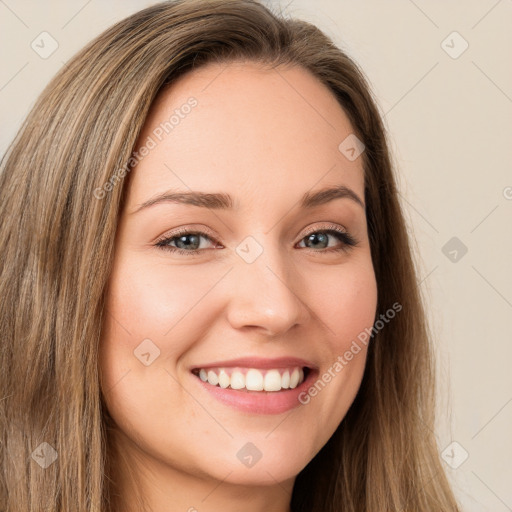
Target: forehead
246,129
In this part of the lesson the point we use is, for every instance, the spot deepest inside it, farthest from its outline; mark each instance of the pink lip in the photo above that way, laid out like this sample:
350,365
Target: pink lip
260,402
258,363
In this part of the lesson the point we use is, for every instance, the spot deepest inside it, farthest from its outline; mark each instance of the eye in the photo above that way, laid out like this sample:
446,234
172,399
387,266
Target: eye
188,242
320,238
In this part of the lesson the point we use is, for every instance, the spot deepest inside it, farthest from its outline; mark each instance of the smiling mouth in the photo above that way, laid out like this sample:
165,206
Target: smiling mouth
253,379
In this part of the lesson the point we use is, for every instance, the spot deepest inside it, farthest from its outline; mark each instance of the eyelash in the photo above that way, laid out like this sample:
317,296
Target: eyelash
347,240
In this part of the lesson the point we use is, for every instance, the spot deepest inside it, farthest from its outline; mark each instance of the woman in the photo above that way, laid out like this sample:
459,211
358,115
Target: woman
209,298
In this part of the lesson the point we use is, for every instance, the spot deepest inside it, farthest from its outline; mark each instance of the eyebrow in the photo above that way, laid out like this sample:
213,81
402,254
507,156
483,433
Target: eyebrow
222,201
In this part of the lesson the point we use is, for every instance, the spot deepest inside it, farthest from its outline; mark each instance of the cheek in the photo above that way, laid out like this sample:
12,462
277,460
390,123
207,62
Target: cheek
154,314
141,320
346,302
147,315
347,310
148,301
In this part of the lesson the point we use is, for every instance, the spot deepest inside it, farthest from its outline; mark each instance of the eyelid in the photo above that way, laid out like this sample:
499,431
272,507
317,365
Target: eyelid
335,227
190,229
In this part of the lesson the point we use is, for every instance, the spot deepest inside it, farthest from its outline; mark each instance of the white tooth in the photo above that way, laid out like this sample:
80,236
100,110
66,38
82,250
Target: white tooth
203,375
285,380
223,379
212,378
301,375
237,380
294,378
272,381
254,380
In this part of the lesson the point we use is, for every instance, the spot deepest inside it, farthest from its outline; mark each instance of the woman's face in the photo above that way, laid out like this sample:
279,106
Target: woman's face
251,288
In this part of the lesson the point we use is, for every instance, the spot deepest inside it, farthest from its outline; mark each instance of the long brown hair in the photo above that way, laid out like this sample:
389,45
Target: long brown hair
57,237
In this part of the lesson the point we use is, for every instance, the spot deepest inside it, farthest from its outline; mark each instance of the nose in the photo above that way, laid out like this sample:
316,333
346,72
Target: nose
265,294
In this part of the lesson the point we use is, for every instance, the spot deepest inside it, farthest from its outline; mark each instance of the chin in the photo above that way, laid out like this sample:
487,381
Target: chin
260,462
261,474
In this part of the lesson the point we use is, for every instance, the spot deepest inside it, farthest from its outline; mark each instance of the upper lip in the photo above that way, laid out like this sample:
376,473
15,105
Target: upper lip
259,362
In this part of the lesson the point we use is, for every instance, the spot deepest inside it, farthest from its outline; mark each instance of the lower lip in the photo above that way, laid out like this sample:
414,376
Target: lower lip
260,402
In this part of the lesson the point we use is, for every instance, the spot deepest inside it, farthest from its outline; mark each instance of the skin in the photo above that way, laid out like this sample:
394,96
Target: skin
266,137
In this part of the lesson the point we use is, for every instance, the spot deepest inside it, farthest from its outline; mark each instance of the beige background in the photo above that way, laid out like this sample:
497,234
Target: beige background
450,122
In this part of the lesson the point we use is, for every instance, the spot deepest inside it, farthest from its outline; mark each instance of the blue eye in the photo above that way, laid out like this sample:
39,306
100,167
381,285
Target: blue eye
318,237
189,242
